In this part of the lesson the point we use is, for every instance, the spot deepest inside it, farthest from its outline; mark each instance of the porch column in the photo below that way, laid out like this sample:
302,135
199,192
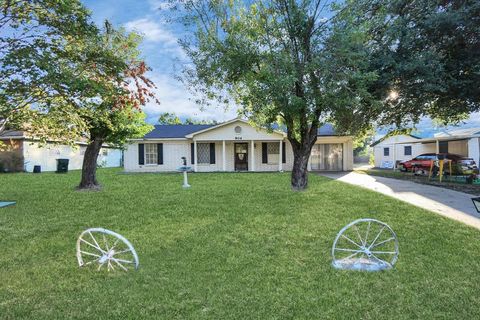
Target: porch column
195,155
224,161
252,144
437,147
394,156
280,168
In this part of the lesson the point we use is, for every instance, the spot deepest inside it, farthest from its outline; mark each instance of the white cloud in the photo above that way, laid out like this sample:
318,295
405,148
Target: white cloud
160,4
175,98
152,31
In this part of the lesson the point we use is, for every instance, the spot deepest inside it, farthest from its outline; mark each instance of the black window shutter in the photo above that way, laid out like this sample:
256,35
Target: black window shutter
192,150
141,154
264,153
212,153
284,155
159,153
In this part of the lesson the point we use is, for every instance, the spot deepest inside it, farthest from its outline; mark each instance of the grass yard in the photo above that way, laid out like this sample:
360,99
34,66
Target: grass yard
234,246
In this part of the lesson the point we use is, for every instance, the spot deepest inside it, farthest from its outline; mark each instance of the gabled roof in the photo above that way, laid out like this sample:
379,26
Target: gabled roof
182,131
388,136
227,123
175,130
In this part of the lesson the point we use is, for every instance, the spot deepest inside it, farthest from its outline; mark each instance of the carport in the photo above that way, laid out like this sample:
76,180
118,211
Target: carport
466,146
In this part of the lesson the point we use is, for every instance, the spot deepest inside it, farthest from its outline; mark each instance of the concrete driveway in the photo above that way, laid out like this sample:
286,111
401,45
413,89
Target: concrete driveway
448,203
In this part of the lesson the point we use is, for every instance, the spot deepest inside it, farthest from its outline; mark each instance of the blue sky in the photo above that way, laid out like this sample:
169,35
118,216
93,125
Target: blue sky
161,52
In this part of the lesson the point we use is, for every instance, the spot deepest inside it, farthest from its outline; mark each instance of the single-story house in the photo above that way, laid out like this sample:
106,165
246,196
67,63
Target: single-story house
24,153
388,150
393,149
234,145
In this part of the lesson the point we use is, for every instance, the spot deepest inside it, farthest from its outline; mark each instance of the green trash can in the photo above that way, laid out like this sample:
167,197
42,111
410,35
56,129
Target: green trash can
62,165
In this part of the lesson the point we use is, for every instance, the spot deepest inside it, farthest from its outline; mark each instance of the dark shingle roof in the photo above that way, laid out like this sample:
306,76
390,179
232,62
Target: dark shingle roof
327,130
175,130
181,130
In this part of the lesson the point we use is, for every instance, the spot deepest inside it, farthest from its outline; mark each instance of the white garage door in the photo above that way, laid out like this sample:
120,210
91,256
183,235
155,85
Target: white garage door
327,157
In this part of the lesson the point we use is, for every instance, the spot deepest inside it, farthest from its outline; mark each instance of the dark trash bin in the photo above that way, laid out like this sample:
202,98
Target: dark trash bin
37,169
62,165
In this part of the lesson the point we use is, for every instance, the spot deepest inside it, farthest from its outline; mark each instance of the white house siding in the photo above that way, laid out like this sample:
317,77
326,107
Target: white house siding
47,156
466,147
227,132
174,150
347,149
474,149
398,152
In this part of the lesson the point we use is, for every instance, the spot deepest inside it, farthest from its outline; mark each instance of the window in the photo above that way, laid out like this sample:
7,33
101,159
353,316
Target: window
203,153
82,150
273,149
443,147
151,153
407,150
386,152
105,152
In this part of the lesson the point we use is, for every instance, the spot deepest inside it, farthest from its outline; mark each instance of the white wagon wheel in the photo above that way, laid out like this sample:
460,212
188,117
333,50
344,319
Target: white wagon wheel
365,244
100,247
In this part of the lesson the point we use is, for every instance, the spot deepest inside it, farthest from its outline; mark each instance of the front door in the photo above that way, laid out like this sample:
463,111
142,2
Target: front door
241,156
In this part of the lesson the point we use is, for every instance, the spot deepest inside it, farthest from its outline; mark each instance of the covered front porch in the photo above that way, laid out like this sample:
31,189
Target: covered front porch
238,155
238,146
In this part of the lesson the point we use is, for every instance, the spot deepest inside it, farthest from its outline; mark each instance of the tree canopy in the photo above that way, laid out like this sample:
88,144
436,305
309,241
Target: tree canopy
426,52
352,63
94,90
33,34
282,60
172,118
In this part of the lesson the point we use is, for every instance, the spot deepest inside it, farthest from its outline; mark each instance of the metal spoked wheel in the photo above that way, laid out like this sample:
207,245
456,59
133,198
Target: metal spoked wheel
365,244
98,247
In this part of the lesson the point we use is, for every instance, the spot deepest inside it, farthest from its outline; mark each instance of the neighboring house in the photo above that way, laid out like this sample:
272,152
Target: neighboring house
232,146
465,142
25,153
390,149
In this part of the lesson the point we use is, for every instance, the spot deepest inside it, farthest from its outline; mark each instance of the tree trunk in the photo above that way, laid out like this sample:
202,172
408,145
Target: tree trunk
301,155
299,171
89,168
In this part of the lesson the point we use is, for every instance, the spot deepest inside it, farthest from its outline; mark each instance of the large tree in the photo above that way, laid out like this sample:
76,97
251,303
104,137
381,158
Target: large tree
33,35
121,88
427,53
64,79
353,63
282,61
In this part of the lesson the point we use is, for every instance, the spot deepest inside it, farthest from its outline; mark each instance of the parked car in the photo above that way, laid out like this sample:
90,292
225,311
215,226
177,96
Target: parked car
421,164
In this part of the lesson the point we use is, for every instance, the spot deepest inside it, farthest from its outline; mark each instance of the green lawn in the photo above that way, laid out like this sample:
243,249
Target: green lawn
234,246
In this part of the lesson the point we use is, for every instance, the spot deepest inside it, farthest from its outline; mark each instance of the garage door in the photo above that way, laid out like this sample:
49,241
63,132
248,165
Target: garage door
327,157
